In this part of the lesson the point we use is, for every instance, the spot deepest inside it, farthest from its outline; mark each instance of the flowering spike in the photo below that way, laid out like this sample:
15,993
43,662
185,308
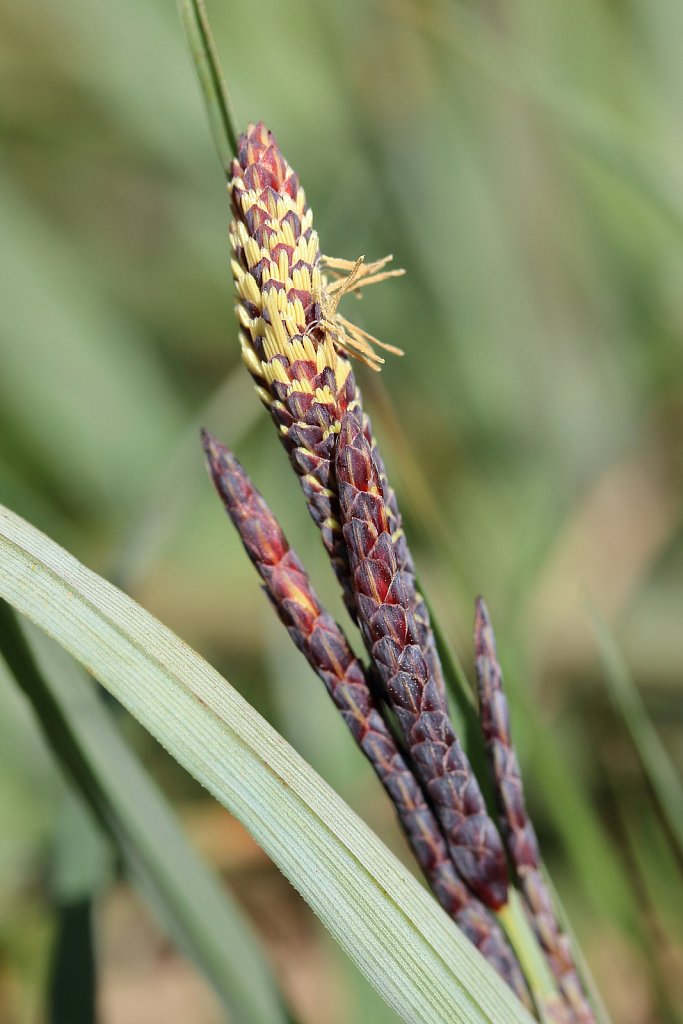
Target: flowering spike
392,637
325,647
518,831
294,342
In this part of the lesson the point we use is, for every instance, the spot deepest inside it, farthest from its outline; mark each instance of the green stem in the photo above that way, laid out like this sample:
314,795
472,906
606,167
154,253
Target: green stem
211,80
534,965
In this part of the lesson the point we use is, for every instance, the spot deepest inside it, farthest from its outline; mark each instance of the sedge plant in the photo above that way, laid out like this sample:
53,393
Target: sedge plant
297,346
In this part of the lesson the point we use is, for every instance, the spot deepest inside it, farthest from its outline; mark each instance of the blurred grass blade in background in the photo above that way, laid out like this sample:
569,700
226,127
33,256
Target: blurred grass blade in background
74,326
389,925
73,970
153,525
659,770
193,906
656,878
81,871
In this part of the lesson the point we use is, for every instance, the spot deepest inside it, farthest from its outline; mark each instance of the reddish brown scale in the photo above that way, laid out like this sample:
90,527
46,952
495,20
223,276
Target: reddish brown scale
518,831
325,647
302,420
392,637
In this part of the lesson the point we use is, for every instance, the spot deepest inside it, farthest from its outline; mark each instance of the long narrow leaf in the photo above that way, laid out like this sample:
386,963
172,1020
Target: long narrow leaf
192,904
380,914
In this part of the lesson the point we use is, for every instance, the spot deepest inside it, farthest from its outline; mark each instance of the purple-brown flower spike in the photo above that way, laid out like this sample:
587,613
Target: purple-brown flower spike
516,826
392,637
294,341
326,649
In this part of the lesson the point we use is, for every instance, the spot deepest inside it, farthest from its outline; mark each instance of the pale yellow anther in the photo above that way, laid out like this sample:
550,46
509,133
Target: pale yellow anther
284,205
250,359
301,279
288,234
276,371
275,271
326,355
270,348
252,251
272,240
245,320
313,247
309,348
257,328
302,387
291,324
248,289
342,370
324,396
276,327
296,351
298,314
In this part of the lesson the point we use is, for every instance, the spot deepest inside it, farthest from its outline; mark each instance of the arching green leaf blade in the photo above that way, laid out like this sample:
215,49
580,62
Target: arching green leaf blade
379,914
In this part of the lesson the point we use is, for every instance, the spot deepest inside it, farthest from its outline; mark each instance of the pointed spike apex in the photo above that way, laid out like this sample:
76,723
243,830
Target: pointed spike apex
217,455
208,439
484,637
216,452
213,450
228,475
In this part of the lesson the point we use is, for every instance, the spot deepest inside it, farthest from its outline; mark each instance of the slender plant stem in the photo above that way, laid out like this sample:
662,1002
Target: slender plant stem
211,80
536,970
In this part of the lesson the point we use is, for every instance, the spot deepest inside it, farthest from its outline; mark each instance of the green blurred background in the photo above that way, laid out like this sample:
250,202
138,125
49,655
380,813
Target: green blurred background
524,162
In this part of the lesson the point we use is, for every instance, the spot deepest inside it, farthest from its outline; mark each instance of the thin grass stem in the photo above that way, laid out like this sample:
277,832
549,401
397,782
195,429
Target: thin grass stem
212,82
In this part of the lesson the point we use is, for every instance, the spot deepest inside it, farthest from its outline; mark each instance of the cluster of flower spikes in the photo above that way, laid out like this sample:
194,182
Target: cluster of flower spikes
296,346
293,343
323,644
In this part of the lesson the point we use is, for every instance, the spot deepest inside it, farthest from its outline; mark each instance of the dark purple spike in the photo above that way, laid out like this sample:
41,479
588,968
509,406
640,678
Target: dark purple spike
325,647
518,832
405,668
